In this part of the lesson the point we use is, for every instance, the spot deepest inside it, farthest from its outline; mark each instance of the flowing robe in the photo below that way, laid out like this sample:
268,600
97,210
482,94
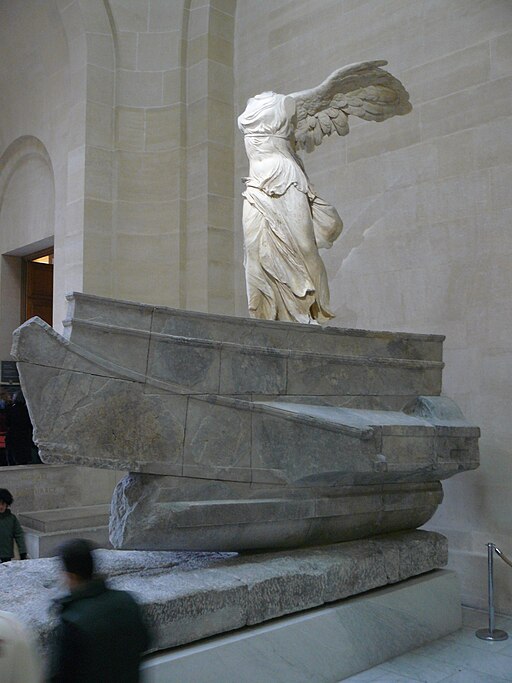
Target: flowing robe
284,220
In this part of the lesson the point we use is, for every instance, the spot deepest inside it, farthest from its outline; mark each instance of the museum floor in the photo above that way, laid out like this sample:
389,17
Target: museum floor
457,658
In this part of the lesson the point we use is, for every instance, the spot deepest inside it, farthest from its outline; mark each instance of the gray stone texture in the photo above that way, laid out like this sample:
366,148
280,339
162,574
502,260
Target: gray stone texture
190,596
268,405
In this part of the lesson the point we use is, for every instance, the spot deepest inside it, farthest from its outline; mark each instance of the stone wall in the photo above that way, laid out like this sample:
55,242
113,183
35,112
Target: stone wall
127,105
427,207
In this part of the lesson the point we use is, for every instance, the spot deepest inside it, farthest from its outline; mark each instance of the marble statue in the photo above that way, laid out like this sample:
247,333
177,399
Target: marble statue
285,222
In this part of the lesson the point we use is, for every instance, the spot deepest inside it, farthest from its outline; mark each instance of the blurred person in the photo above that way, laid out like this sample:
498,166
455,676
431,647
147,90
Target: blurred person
10,529
101,636
18,657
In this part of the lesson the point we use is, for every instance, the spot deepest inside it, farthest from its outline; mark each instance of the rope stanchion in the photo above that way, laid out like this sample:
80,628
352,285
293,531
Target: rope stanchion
492,633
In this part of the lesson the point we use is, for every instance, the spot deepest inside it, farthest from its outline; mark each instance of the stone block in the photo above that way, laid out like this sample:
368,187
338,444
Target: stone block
163,128
100,84
139,88
243,371
147,177
159,51
277,445
187,363
172,93
130,128
164,15
98,173
190,596
130,15
126,50
217,437
327,376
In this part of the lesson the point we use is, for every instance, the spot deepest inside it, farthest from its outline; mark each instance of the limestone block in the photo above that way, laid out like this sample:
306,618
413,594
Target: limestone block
325,376
189,596
100,50
100,84
159,51
198,21
110,419
164,15
147,177
126,52
172,86
100,124
290,336
139,88
276,444
188,363
487,145
450,73
130,128
220,82
98,173
128,349
217,438
107,311
130,15
243,371
197,81
163,128
454,112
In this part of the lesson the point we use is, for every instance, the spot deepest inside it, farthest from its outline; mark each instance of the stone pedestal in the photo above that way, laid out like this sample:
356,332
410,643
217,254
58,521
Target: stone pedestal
323,645
187,597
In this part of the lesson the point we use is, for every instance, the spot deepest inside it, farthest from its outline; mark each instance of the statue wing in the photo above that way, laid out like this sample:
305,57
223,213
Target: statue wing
362,89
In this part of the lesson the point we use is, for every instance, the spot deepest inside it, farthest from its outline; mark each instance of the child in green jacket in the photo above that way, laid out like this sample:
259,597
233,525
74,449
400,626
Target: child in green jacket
10,530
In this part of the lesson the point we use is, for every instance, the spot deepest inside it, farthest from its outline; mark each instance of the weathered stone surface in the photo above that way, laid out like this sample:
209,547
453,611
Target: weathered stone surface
173,394
187,363
189,596
217,436
150,512
246,331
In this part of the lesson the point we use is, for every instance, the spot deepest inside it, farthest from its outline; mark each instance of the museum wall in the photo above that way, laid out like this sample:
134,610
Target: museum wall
427,209
160,149
130,106
42,117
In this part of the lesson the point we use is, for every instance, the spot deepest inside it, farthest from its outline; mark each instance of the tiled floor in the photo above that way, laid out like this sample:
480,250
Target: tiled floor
457,658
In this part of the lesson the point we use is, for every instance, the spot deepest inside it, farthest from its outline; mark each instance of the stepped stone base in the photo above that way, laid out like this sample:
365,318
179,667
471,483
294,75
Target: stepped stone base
325,644
46,529
189,596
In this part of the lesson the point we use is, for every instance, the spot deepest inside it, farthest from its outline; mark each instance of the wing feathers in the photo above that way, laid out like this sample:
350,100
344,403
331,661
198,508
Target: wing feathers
364,90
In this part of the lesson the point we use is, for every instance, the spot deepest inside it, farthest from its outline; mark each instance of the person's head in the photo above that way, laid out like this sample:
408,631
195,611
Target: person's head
6,499
77,561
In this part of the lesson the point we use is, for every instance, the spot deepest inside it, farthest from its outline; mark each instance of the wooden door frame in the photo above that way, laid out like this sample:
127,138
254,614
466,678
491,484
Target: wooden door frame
24,260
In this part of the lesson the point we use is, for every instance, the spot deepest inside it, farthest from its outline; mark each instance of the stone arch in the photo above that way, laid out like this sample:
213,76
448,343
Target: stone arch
25,166
26,225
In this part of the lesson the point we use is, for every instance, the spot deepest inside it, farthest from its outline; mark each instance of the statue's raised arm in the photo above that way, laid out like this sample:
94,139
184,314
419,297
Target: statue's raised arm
285,222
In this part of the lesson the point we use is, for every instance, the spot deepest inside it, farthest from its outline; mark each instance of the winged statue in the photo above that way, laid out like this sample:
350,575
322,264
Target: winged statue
285,222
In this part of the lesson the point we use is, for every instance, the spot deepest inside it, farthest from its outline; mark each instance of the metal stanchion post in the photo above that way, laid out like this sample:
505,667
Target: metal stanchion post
491,633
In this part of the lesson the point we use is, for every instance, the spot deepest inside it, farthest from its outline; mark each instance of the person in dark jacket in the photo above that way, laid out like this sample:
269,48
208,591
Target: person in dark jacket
10,530
18,440
101,635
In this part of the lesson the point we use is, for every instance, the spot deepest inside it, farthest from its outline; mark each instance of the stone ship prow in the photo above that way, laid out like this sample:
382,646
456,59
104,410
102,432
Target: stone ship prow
242,434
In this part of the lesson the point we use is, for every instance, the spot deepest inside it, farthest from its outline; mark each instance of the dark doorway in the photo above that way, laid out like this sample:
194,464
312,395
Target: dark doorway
38,286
